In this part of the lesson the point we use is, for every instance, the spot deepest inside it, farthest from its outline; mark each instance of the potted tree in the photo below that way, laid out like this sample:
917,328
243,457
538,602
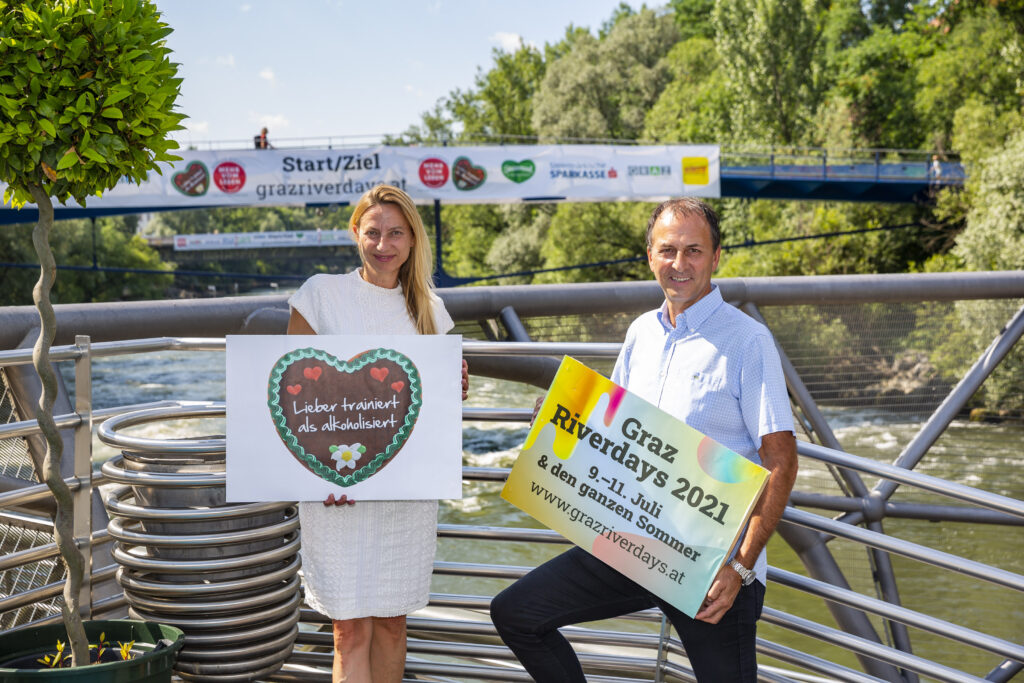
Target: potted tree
87,96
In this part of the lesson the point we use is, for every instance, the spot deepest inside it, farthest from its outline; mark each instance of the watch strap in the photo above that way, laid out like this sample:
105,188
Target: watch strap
746,574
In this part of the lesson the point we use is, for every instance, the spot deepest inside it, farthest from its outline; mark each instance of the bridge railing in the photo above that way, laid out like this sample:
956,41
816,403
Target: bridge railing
453,637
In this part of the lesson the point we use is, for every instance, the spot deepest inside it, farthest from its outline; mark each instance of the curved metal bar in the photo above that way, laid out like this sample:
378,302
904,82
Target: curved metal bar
210,640
196,566
115,472
280,529
136,512
130,582
108,434
180,606
246,670
225,622
246,651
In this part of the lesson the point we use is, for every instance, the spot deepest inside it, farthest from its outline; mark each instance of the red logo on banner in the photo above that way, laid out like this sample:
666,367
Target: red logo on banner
612,173
433,172
229,176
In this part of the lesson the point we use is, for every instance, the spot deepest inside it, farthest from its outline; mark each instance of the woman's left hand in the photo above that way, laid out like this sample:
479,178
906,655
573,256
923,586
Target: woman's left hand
465,379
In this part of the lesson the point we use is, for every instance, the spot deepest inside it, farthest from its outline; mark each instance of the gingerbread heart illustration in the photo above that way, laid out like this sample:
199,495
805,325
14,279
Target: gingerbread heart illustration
194,181
344,423
466,176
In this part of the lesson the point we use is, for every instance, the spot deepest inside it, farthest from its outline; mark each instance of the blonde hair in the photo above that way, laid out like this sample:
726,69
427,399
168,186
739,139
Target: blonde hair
414,274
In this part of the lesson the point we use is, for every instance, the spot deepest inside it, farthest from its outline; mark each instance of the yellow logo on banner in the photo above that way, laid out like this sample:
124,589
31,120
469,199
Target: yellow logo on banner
695,170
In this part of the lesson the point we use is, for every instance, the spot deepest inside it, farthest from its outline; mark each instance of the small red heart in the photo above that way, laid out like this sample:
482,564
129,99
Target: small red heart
312,373
397,386
379,373
294,388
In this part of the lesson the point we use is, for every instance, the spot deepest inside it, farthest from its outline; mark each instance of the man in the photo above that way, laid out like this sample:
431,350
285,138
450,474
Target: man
261,141
717,369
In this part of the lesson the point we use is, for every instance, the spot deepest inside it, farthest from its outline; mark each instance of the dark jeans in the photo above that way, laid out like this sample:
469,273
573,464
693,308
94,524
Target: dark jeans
576,587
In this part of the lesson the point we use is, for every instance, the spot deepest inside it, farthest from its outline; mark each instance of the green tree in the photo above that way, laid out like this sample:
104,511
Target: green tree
76,243
694,18
501,104
770,50
877,77
468,232
518,247
603,88
994,236
87,93
696,106
984,57
594,232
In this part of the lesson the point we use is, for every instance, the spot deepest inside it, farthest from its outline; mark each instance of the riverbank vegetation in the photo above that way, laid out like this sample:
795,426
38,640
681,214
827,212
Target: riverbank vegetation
842,75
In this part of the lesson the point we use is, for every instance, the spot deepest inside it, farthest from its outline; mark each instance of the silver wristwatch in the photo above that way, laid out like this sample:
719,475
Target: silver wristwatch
746,574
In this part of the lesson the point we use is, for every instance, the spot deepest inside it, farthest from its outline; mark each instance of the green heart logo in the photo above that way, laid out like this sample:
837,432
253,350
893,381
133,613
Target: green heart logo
344,421
518,171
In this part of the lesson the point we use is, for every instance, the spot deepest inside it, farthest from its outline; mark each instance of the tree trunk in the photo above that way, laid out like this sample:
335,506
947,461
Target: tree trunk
63,532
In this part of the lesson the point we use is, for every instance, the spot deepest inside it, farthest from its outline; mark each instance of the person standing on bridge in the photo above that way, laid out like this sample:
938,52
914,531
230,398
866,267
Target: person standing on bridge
367,566
716,369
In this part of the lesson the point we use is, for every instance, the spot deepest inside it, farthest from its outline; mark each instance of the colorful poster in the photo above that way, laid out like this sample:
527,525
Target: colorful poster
370,417
632,485
469,175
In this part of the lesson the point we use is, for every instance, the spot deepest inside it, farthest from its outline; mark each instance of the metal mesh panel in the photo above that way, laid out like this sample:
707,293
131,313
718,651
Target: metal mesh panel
15,462
877,371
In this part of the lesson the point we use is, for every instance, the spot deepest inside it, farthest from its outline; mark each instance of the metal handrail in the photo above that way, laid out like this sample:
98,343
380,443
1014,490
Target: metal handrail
824,525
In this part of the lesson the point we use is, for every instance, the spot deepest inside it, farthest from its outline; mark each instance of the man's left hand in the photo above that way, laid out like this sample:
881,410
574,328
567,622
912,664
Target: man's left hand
720,597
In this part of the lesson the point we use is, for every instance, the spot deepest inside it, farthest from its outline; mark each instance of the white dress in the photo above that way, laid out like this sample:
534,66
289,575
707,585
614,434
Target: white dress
374,558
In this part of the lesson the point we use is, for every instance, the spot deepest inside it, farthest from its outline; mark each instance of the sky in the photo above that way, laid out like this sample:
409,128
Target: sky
351,70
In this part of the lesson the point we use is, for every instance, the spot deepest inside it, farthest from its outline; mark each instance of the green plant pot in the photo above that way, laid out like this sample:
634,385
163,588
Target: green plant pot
150,665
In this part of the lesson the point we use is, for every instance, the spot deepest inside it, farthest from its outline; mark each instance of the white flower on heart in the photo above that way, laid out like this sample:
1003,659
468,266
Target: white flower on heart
346,456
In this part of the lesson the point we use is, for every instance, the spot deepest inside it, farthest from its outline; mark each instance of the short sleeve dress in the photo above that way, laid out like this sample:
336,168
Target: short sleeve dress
374,558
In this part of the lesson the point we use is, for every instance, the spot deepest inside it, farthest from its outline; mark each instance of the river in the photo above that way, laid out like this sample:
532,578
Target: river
987,456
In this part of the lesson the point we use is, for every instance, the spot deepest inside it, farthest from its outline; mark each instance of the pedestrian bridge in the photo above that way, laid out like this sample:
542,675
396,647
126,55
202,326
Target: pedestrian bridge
856,175
811,173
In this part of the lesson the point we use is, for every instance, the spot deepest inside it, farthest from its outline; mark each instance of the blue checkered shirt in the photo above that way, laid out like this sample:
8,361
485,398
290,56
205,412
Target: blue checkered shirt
717,370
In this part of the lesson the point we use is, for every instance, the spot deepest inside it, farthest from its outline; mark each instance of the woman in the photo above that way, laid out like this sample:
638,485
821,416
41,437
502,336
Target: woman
367,566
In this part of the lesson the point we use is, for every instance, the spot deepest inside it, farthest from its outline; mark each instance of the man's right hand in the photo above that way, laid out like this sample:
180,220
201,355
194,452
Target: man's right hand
343,500
536,409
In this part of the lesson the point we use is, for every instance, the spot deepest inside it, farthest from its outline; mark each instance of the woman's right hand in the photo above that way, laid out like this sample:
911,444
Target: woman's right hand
343,500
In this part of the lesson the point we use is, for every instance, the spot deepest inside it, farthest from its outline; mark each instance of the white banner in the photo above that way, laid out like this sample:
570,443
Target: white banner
264,240
468,175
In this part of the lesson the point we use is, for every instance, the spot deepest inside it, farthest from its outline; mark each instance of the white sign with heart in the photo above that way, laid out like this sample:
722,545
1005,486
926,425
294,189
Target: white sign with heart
370,417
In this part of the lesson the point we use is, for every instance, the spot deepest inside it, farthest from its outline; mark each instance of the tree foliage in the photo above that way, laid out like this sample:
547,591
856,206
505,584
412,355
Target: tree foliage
113,244
86,96
771,55
603,87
